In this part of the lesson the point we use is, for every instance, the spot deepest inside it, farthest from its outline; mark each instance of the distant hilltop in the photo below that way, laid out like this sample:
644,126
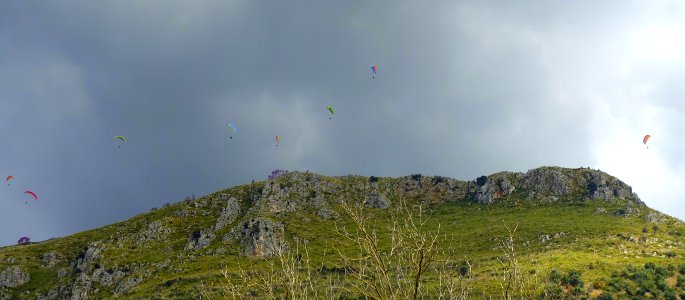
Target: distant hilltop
548,184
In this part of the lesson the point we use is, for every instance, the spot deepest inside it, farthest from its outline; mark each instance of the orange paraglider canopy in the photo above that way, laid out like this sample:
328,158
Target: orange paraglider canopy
645,139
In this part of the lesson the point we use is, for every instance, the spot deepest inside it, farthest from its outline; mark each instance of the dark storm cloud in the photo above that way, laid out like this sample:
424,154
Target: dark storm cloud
463,89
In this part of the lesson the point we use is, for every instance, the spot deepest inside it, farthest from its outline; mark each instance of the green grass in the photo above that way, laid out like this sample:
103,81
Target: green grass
596,244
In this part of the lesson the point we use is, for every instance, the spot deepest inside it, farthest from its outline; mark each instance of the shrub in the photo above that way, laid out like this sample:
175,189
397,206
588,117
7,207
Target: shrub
463,269
645,229
373,179
573,278
600,285
681,269
438,179
481,180
416,177
577,291
555,276
553,291
605,296
656,228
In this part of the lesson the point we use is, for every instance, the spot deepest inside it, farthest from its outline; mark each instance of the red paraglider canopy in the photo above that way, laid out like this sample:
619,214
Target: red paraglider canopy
32,194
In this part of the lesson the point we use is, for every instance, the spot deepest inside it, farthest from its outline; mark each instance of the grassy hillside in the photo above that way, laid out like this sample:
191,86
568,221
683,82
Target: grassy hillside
567,242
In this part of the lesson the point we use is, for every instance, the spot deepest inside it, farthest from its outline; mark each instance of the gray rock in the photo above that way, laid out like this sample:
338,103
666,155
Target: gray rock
228,214
627,211
548,181
50,259
108,277
654,217
127,285
13,276
87,257
155,231
376,200
544,238
495,187
81,287
183,213
199,239
262,237
61,273
327,213
604,187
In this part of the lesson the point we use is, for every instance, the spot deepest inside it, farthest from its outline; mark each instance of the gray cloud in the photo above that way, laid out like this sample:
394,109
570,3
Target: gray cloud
463,89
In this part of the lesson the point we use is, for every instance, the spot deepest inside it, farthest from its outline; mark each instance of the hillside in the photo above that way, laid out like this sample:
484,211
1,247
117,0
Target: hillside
579,232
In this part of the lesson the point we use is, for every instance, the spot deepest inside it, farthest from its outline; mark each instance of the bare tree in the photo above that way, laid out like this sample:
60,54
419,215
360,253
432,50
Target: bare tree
395,271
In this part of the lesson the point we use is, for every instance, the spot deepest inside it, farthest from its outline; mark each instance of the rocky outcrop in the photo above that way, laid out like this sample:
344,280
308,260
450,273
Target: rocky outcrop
155,231
376,200
604,187
228,214
50,259
494,187
199,239
127,285
655,217
85,260
549,184
13,276
262,237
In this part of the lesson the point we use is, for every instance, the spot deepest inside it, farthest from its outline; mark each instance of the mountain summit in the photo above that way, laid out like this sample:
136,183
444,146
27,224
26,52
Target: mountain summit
566,220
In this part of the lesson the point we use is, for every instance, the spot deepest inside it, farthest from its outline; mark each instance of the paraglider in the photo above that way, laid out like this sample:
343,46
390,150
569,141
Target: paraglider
32,194
8,179
122,138
373,69
645,139
235,129
278,139
24,240
330,108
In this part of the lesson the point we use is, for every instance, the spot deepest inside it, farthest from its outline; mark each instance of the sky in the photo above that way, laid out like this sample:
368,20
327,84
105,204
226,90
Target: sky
463,89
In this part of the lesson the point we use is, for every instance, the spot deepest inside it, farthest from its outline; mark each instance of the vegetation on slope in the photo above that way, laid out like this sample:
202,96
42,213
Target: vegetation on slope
570,240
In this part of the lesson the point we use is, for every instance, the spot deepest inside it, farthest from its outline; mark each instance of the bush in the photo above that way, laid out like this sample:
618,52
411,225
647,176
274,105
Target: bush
600,285
373,179
555,276
553,291
481,180
577,291
605,296
681,269
681,282
438,179
670,295
416,177
645,229
463,269
656,228
573,278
